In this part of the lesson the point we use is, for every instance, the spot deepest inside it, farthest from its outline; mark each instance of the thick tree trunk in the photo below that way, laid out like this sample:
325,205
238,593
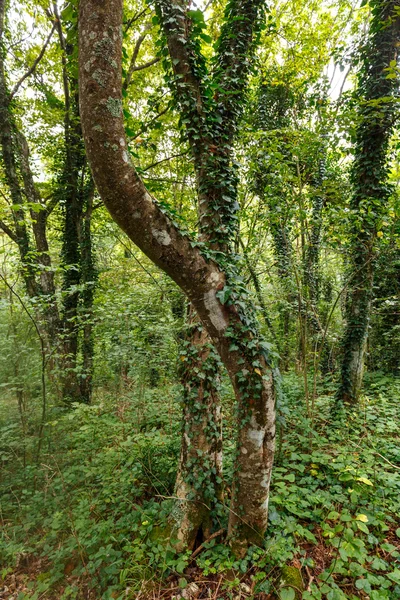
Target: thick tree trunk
230,326
254,460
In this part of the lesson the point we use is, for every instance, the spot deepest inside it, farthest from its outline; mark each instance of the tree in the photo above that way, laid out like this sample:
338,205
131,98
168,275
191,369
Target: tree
376,114
207,275
74,192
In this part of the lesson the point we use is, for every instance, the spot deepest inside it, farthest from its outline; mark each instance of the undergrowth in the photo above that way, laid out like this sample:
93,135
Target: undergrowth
88,520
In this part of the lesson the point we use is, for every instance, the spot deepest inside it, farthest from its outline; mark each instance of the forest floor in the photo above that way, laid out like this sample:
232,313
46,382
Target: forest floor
85,520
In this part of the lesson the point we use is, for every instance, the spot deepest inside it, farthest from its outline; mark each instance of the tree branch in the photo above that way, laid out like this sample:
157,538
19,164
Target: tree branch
118,183
67,98
157,116
35,64
11,234
235,48
135,18
159,162
132,67
188,86
146,65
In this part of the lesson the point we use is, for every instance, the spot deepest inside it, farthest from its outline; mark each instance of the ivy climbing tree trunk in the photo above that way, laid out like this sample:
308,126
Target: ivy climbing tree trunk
28,230
199,481
377,110
89,280
75,191
211,128
213,288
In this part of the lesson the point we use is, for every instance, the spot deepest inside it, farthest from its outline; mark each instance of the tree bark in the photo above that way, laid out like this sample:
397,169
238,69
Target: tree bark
229,325
377,111
199,481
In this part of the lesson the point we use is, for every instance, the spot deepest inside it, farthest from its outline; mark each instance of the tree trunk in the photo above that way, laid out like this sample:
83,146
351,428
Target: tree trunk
199,480
230,327
357,311
89,279
377,112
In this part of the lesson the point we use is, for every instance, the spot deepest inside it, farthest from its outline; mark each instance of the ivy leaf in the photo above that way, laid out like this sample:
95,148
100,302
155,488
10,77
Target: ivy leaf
287,594
196,16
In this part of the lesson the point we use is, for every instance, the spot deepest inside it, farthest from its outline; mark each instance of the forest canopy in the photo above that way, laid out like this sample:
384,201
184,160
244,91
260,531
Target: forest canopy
199,299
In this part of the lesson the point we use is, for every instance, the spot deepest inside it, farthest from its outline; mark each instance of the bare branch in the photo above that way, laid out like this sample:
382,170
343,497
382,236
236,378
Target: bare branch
11,234
159,162
146,65
135,18
35,64
157,116
132,66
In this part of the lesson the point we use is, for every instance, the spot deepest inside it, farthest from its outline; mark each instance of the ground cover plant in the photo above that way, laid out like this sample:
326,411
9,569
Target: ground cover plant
91,520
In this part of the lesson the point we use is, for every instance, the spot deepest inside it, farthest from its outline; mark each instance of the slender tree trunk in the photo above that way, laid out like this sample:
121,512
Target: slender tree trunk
199,480
89,279
39,282
284,258
46,284
377,111
311,268
11,169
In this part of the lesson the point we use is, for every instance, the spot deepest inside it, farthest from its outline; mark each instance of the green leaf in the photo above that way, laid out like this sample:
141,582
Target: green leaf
362,518
364,480
287,594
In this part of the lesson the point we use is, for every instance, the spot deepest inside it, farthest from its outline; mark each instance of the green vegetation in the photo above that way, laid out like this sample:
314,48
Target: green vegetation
94,514
199,300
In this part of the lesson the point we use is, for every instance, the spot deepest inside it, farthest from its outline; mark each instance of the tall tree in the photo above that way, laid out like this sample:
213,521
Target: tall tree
376,114
26,203
209,99
207,275
74,190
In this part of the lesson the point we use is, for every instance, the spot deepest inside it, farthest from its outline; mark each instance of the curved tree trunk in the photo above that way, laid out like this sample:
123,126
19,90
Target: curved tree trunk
230,326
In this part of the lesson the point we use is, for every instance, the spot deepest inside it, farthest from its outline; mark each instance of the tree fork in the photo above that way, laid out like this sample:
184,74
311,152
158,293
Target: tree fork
150,228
